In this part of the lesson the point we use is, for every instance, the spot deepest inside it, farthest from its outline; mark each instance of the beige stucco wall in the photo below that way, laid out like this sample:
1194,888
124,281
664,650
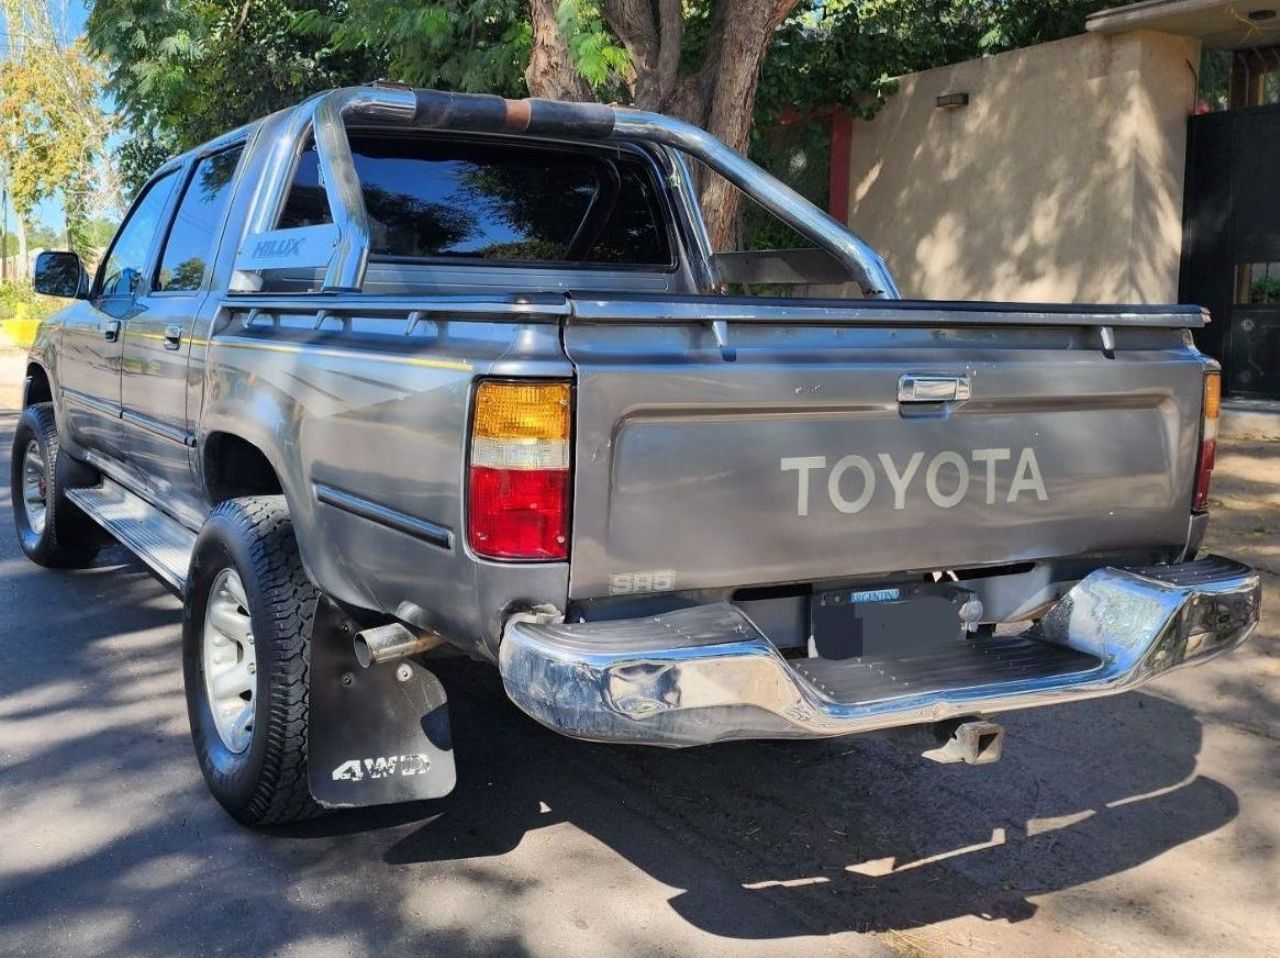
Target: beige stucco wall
1060,181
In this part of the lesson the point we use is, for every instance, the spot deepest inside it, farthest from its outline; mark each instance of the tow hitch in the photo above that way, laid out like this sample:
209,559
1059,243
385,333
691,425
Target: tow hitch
969,740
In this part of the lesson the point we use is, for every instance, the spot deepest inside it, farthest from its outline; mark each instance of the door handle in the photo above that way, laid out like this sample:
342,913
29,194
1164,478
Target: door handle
110,329
172,337
933,388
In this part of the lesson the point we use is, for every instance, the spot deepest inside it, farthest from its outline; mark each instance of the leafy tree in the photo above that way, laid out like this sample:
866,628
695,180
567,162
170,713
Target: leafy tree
55,134
185,70
475,45
38,155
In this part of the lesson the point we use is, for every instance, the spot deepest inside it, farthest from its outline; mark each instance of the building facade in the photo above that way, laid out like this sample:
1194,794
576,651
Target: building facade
1132,164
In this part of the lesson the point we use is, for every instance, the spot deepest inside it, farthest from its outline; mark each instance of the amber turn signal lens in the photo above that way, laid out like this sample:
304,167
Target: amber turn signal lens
509,410
1212,394
1208,440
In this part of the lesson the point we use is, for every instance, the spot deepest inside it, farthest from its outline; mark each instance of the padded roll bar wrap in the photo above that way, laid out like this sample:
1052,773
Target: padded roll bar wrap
582,120
460,111
492,114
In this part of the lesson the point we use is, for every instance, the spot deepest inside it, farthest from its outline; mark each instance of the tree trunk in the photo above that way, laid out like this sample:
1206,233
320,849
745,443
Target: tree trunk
23,269
550,73
4,229
719,96
740,37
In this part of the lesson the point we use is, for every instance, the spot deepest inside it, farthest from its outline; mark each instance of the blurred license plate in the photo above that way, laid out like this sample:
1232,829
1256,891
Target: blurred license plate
879,622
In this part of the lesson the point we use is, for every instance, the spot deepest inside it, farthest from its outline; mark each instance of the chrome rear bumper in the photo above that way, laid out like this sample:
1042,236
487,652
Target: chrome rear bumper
706,674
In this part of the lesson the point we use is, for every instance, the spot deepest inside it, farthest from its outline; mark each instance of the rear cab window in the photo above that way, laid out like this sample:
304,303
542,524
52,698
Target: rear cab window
461,201
191,238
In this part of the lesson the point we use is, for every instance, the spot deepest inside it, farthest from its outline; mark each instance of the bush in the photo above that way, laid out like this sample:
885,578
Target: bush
20,301
21,312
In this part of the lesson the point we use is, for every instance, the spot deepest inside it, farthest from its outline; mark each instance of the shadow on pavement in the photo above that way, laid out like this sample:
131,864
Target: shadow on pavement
845,835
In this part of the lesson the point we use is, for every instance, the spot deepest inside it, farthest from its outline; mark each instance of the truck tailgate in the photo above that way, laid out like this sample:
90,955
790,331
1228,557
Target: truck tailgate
791,451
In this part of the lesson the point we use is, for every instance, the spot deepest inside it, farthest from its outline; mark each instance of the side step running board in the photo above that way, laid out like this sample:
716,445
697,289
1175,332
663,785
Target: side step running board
161,542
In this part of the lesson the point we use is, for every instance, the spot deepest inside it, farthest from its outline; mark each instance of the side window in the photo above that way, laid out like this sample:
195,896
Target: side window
190,242
123,268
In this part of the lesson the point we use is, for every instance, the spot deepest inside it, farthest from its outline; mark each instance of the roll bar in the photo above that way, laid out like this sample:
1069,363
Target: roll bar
342,247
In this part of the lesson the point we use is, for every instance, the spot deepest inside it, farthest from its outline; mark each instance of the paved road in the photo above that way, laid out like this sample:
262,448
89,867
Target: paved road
1137,825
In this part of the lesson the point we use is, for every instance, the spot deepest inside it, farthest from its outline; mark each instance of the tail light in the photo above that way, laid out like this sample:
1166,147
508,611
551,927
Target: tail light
1208,440
518,480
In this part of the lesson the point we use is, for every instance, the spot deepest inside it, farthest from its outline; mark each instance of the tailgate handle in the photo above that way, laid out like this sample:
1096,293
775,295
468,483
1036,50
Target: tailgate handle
933,388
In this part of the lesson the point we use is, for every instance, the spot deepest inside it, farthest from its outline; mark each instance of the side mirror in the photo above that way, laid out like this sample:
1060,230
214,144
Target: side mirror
61,274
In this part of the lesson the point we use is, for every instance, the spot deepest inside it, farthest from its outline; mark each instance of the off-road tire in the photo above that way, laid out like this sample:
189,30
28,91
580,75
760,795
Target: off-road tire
69,539
266,784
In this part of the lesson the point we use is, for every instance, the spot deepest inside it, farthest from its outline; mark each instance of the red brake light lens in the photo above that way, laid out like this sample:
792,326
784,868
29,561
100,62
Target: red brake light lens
519,514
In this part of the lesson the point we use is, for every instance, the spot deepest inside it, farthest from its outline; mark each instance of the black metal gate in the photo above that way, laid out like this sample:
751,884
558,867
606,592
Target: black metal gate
1231,244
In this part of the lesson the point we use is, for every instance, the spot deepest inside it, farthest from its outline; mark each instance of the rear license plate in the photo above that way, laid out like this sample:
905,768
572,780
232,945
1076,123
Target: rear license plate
877,623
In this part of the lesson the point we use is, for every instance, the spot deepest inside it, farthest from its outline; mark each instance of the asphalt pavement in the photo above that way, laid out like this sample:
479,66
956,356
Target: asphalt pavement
1143,824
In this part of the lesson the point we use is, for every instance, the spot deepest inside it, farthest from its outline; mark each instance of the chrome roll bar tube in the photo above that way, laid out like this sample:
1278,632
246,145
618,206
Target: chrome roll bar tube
864,264
342,248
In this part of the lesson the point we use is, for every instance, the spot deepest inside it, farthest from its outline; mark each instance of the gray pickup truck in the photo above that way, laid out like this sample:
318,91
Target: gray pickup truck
395,372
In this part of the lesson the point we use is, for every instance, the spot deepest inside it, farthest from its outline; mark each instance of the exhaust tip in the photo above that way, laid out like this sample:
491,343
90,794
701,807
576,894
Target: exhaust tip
363,655
386,643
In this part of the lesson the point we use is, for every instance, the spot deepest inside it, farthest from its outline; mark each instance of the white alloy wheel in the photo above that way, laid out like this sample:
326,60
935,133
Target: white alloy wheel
230,661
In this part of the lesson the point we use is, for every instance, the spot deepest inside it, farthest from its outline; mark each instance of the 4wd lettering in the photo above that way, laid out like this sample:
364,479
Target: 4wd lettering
357,770
947,478
277,248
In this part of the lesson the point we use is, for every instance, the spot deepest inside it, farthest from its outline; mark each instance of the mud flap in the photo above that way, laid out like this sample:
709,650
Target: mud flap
378,735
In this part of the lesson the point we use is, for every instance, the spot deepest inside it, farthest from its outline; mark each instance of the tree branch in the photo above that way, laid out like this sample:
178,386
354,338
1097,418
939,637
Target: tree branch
632,23
737,47
550,72
670,39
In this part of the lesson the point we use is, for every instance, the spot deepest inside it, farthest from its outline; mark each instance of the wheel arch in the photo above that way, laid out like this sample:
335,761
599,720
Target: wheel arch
235,462
232,466
37,387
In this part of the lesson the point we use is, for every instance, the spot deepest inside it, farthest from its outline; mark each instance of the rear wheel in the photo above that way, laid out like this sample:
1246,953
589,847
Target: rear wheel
52,529
249,612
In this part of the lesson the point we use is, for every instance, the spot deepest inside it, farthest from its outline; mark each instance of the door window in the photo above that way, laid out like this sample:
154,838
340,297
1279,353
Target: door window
190,243
123,269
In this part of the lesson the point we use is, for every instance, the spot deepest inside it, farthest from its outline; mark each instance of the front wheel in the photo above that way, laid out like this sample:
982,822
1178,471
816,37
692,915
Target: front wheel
249,610
52,530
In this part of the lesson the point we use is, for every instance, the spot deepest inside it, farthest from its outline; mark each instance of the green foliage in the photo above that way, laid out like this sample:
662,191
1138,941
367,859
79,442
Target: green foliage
184,71
45,237
98,233
467,45
596,55
1265,289
19,301
847,51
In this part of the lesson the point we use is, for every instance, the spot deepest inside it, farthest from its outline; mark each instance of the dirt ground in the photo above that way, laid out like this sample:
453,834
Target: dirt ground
1143,824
